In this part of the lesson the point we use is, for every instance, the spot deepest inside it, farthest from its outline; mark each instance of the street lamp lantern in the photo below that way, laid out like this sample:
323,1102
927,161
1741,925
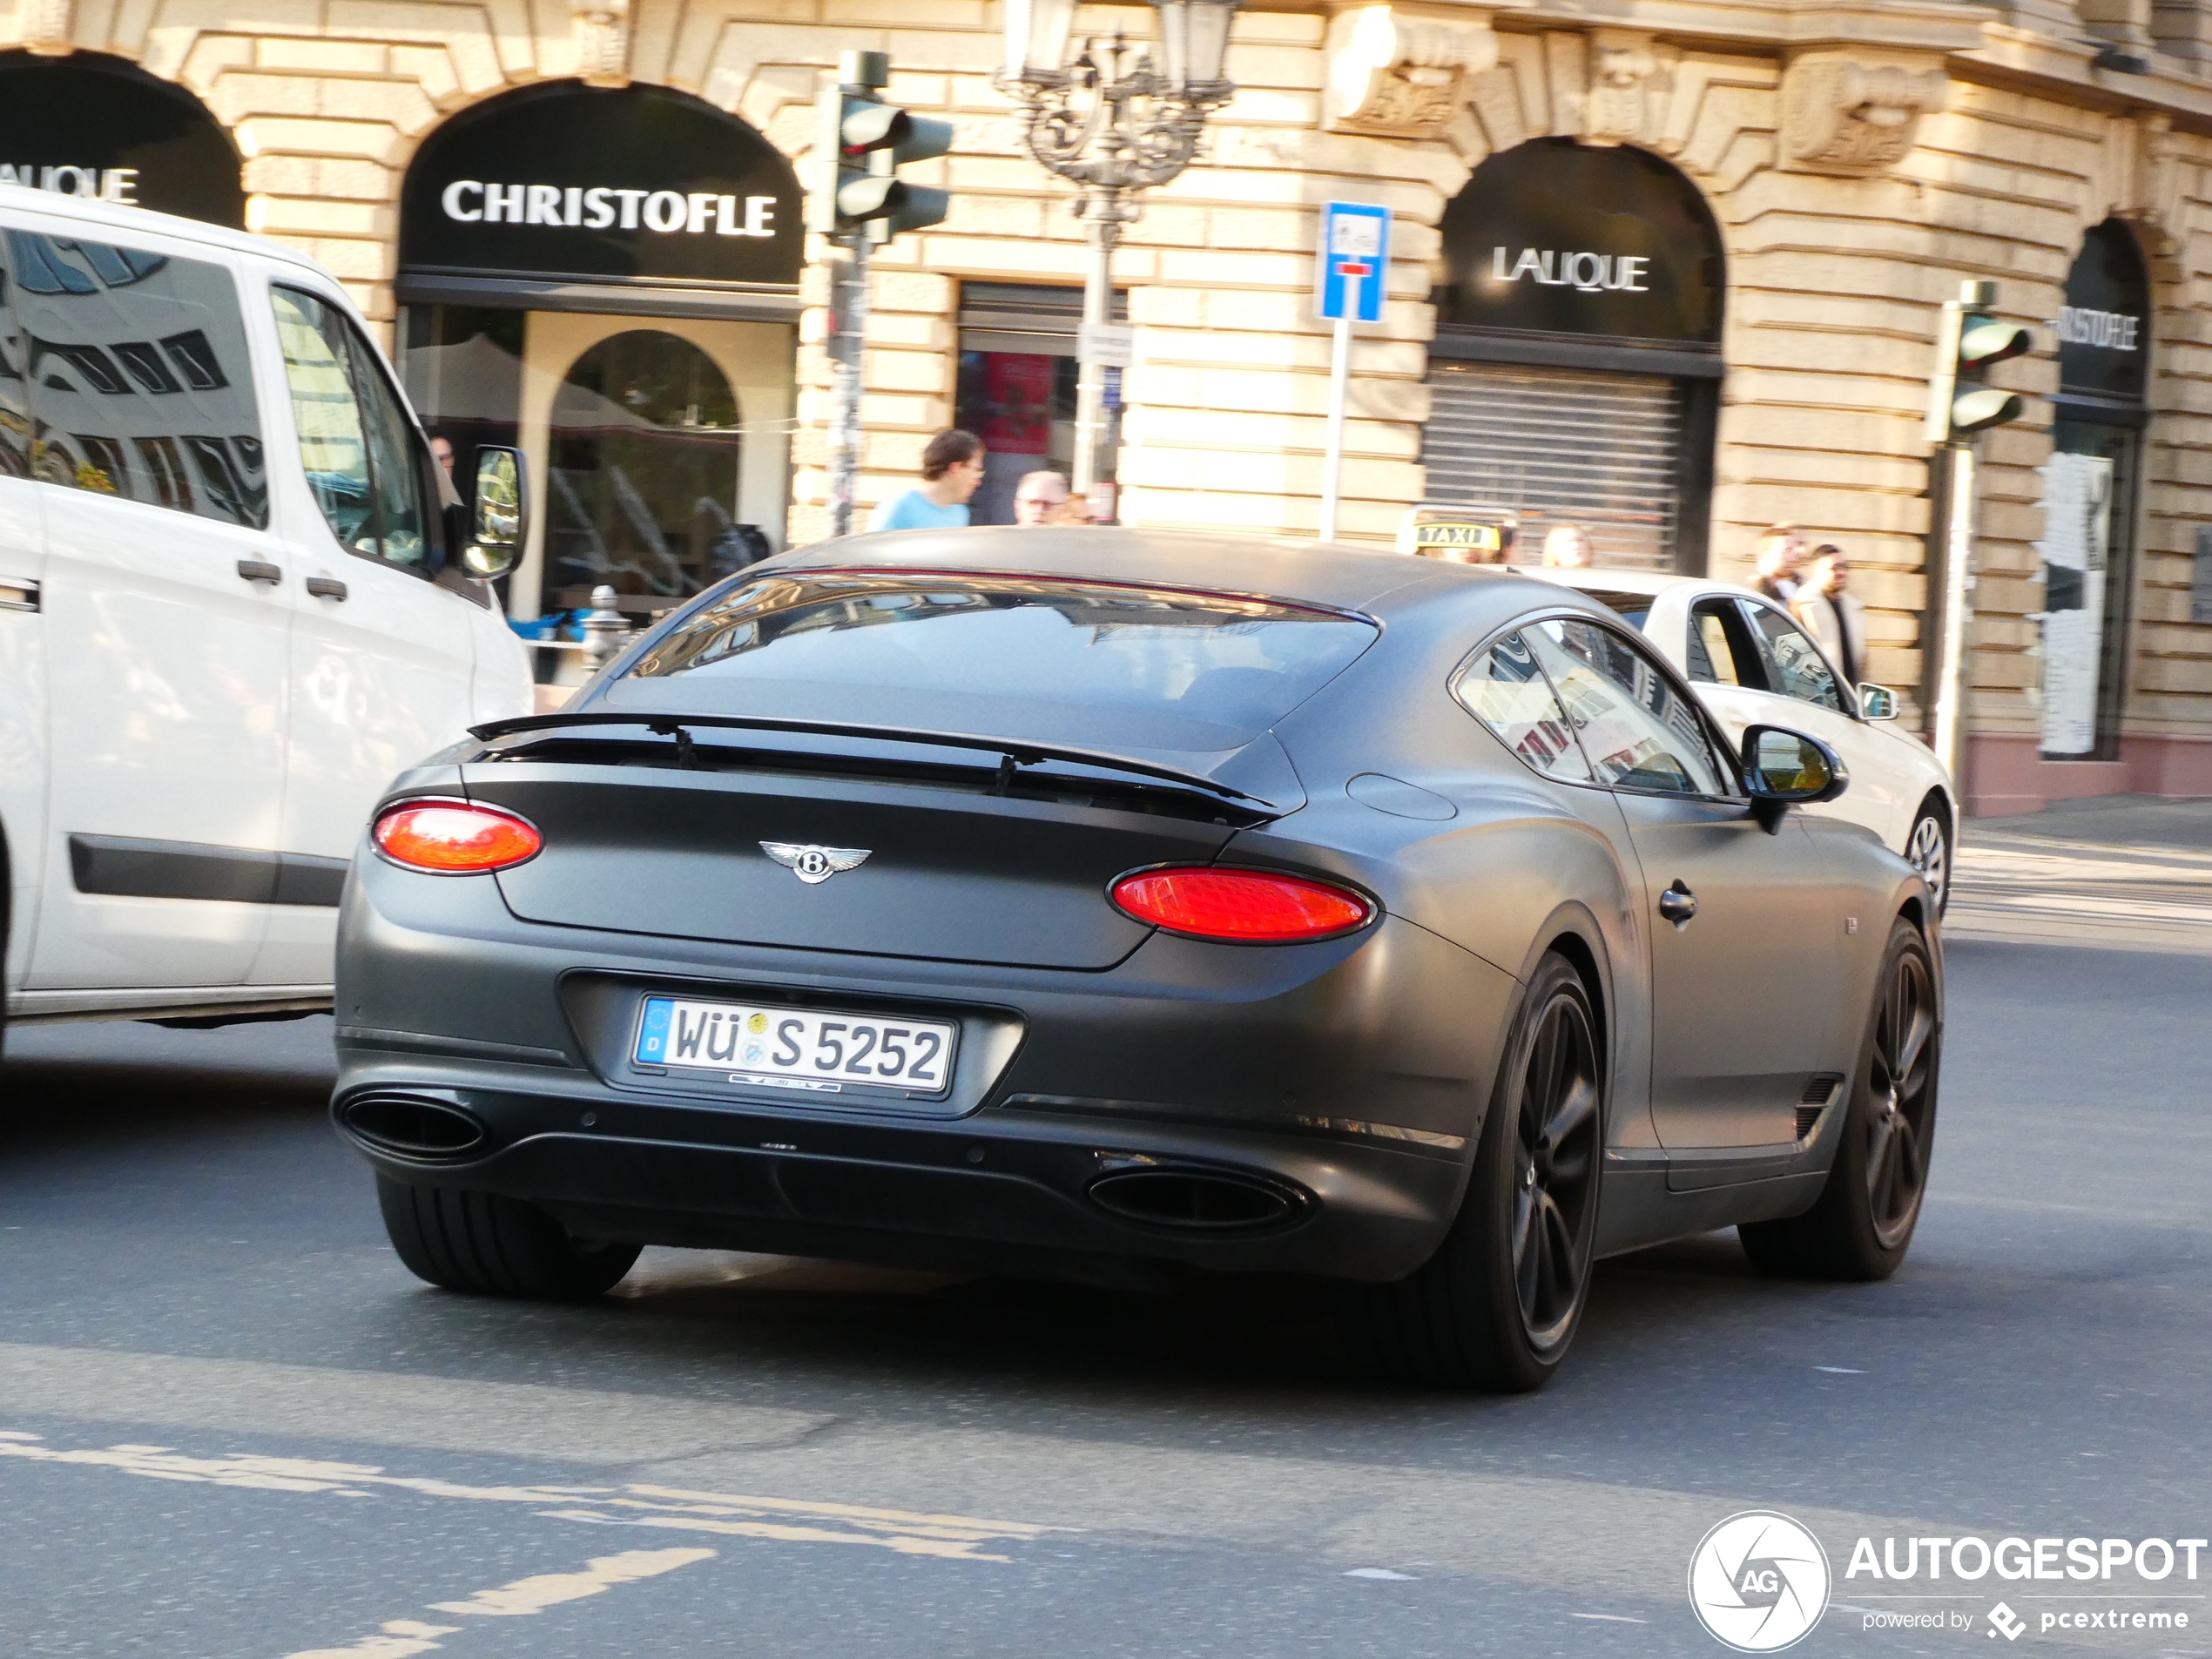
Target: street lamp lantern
1113,121
1037,41
1194,38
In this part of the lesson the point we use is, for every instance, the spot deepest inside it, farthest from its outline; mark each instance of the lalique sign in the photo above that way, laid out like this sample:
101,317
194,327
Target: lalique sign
1558,238
102,130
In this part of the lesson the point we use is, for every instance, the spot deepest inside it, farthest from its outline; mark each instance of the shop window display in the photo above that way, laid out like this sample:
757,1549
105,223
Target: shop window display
642,484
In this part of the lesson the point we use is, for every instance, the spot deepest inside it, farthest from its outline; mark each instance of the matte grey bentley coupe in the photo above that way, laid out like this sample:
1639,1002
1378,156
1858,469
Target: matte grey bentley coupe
1112,904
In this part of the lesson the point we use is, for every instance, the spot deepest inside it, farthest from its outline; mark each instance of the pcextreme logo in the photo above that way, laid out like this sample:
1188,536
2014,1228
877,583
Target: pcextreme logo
1758,1582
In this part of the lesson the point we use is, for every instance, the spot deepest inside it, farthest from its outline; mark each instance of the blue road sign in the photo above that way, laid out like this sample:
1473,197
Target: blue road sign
1355,259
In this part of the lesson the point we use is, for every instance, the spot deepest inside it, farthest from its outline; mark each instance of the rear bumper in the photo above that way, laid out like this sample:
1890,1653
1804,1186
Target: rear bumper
1003,1189
1348,1078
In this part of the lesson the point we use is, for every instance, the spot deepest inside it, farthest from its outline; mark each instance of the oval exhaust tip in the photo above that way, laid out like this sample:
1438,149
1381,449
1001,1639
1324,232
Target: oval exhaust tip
413,1126
1195,1200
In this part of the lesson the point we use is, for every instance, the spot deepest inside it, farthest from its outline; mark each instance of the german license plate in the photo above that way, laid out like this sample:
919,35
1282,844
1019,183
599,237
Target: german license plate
818,1050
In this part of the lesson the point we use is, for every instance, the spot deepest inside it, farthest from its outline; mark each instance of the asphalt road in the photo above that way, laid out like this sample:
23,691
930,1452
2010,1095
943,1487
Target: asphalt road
230,1425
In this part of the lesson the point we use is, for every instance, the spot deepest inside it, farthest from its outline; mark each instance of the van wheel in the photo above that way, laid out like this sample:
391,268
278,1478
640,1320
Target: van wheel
1498,1305
485,1244
1862,1224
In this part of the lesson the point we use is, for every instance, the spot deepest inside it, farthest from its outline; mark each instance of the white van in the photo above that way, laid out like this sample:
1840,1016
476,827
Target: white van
237,597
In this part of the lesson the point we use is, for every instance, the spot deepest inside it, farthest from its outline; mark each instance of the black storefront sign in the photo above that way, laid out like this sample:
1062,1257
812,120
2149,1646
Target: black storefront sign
567,183
2103,329
1558,238
99,128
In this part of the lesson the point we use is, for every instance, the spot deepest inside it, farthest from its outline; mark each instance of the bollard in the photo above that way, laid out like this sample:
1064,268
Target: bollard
604,631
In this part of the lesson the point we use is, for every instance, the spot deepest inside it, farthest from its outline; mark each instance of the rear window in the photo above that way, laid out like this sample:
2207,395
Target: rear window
1043,656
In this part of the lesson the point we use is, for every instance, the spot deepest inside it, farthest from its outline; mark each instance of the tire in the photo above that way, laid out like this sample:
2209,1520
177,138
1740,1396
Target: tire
483,1244
1862,1224
1929,850
1497,1306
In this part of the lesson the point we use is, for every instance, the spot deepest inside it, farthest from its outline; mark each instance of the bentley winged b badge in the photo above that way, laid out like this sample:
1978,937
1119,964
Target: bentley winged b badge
815,864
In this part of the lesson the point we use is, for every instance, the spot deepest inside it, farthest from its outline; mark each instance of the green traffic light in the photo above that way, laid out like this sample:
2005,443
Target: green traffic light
1984,340
1975,411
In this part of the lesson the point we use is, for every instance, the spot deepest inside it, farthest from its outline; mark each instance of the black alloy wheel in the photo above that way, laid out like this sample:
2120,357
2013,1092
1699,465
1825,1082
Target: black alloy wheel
1901,1081
1861,1225
1555,1163
1497,1306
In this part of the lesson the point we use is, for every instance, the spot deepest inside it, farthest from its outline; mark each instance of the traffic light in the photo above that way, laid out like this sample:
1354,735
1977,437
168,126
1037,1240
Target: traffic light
1971,343
868,139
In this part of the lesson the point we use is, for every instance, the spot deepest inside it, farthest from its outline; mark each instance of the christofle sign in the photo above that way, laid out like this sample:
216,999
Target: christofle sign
595,186
694,212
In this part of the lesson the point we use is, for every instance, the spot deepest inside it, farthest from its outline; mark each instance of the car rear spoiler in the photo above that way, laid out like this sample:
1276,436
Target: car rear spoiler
1013,754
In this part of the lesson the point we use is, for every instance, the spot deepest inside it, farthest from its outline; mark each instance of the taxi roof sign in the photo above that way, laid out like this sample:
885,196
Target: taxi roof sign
1468,535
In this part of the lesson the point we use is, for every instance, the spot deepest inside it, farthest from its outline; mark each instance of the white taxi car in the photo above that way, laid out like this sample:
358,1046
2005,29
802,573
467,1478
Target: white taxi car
1752,663
237,597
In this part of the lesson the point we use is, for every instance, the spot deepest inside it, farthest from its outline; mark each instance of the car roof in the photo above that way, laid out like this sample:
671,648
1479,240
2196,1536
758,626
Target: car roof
117,216
1376,581
1593,578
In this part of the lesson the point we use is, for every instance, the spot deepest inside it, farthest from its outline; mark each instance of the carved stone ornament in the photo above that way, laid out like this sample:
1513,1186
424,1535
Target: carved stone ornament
1840,114
1630,80
46,28
601,42
1402,74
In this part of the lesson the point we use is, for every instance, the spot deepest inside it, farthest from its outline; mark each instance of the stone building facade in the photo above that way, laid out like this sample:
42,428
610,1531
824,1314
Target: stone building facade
1850,163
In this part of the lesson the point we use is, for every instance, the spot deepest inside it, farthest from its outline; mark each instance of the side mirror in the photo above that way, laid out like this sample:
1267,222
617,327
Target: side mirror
1877,703
1783,769
499,520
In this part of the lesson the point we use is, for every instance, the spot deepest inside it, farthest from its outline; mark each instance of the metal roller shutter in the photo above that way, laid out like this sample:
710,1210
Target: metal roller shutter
1562,446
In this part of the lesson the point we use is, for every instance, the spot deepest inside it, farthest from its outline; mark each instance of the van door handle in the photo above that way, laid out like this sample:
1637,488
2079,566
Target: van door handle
1679,904
260,571
326,587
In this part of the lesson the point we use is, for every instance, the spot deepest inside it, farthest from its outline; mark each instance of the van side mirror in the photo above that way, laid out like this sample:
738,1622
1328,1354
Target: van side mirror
1783,769
499,518
1877,703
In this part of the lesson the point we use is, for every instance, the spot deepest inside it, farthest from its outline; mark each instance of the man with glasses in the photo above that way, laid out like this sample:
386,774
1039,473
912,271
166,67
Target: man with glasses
1039,498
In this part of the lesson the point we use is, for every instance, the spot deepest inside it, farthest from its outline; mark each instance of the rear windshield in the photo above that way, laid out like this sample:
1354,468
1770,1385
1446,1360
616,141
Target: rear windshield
1047,657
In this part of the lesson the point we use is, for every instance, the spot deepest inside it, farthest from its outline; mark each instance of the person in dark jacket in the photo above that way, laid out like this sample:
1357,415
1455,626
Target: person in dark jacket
1782,551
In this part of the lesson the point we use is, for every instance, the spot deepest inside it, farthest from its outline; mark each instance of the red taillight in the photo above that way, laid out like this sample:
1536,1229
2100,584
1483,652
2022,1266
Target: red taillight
452,837
1249,907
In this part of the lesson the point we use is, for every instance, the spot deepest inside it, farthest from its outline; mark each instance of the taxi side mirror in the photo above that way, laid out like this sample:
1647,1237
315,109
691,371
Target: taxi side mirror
1783,769
1877,703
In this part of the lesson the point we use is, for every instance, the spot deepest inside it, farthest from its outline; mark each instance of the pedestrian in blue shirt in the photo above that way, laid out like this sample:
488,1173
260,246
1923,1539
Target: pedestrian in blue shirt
951,468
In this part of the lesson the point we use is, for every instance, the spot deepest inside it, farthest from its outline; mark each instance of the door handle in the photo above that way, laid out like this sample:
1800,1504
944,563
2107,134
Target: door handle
326,587
260,571
1679,904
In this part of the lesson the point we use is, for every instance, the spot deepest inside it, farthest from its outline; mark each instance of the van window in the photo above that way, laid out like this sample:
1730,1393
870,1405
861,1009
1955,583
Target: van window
136,378
356,443
15,384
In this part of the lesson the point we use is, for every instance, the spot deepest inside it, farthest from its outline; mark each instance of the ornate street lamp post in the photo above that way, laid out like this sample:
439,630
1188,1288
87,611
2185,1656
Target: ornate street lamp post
1114,121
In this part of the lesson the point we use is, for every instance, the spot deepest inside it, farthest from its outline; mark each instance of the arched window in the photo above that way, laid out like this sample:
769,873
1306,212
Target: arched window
1576,371
643,481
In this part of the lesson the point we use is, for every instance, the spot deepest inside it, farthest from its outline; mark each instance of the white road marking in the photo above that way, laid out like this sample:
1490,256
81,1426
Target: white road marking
1610,1618
527,1595
400,1638
784,1520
